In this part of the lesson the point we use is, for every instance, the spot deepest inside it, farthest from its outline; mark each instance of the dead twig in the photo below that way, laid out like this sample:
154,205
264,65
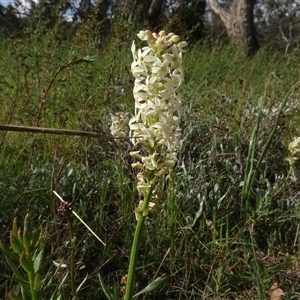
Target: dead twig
58,131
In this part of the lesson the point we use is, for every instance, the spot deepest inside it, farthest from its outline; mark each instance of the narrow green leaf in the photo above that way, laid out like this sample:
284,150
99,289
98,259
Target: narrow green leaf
38,260
26,265
14,279
26,241
41,242
83,281
34,238
63,280
155,285
20,236
107,293
27,223
26,293
15,243
55,296
14,297
9,253
15,270
15,228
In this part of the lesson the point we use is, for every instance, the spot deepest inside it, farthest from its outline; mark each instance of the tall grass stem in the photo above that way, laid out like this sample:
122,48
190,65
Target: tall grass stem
135,247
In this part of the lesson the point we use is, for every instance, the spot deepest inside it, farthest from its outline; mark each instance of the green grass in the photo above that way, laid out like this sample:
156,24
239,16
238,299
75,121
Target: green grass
208,245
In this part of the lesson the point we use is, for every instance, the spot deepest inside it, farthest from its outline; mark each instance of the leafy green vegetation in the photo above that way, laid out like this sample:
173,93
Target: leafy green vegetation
215,243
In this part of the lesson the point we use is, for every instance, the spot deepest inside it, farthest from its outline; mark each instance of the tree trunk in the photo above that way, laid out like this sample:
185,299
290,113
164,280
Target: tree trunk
239,23
151,10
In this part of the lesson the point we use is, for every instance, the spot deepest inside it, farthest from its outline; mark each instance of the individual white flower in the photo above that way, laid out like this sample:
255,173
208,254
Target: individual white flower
137,165
136,154
165,95
174,59
138,70
145,58
149,135
139,86
143,111
162,43
161,69
150,162
152,86
173,82
174,103
164,127
156,107
144,135
181,45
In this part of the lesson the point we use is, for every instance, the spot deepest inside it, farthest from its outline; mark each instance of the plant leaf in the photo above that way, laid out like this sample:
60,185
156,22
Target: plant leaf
107,293
14,297
156,284
83,281
38,261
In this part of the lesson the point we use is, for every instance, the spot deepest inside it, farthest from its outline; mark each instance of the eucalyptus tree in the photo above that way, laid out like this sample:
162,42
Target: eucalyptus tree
188,18
148,12
238,19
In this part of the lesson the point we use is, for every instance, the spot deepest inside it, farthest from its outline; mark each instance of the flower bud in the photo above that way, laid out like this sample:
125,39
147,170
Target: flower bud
162,33
144,35
175,39
170,34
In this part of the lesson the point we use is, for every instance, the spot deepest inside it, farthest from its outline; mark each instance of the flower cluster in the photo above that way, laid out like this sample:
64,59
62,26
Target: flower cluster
158,73
119,126
294,149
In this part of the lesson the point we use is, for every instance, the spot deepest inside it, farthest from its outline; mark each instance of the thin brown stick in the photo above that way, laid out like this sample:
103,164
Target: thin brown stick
92,134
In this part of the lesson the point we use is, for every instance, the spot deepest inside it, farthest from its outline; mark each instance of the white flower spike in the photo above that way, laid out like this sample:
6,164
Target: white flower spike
158,73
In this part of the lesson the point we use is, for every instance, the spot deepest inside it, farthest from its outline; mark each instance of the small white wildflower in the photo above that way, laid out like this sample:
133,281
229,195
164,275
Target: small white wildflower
119,126
294,146
161,69
294,149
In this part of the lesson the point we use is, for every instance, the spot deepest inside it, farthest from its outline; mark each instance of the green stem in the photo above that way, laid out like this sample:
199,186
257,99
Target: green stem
135,247
171,199
31,276
251,170
72,263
